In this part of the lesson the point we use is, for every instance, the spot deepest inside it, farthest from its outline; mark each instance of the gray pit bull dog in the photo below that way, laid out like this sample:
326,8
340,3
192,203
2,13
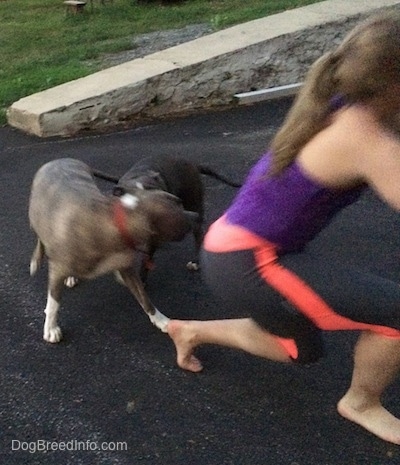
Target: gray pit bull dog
85,233
171,174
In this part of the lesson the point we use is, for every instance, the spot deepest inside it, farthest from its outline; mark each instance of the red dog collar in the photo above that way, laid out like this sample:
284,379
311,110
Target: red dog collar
120,222
119,211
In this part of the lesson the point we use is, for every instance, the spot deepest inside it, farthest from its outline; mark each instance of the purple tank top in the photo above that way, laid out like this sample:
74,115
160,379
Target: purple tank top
288,210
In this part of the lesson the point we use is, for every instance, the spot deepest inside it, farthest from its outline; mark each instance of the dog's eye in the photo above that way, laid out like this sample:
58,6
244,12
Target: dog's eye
118,191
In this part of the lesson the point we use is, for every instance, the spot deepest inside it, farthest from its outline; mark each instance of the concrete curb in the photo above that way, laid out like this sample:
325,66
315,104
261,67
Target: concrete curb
209,71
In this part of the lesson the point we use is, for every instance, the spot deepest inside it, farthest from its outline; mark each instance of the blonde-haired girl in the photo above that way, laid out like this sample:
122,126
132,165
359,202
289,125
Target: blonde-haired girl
341,135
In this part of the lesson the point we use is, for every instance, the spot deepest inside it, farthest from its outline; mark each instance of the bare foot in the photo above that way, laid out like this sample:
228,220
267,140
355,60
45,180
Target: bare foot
179,331
375,419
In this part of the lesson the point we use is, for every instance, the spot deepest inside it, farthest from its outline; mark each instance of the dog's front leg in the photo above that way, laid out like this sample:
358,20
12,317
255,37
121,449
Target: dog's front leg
52,332
135,285
193,265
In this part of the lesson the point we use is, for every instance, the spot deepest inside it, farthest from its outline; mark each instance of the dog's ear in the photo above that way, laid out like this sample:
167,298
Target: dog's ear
159,180
119,191
155,175
172,198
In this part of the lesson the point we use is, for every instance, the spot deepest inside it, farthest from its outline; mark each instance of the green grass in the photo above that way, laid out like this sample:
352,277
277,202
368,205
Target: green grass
43,46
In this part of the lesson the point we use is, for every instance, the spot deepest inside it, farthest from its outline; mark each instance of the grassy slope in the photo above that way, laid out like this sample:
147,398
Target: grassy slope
42,46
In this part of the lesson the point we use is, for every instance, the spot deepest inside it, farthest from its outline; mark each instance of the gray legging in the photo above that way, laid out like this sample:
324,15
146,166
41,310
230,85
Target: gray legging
357,295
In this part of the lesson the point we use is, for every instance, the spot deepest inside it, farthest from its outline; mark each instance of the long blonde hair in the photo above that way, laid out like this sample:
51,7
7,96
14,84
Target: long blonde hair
365,68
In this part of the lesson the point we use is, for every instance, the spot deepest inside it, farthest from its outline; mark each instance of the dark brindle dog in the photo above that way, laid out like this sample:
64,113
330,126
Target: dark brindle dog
85,233
175,175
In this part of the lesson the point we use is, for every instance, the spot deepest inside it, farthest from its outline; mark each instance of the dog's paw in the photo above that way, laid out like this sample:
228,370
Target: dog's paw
192,266
71,281
160,320
52,335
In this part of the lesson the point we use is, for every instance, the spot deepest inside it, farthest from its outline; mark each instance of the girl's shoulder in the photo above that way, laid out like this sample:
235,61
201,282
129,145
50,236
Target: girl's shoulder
356,121
358,127
372,150
335,156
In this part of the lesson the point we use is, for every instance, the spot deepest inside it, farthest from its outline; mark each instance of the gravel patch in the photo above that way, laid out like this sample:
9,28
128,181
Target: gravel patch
146,44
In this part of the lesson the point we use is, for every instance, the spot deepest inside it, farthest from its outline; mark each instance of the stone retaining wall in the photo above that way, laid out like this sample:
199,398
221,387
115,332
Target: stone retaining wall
171,82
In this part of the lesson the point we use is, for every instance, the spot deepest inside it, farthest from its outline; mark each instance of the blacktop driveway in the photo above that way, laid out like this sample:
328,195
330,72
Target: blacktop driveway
112,383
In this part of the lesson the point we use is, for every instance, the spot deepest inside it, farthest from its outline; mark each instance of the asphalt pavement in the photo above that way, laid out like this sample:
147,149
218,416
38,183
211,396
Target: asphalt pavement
110,392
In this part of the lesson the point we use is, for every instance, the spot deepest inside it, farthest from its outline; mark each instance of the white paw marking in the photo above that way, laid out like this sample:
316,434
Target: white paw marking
129,201
71,281
192,266
51,331
160,320
52,335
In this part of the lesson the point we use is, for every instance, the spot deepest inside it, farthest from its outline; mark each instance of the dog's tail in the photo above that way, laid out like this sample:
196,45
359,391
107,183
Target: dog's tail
203,169
105,176
37,257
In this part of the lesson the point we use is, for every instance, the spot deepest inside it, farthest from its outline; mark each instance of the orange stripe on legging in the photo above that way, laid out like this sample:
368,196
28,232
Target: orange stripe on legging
223,237
306,300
